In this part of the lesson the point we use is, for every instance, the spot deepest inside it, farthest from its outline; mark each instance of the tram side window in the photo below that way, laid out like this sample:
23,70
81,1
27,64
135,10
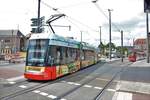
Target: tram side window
62,55
55,55
89,55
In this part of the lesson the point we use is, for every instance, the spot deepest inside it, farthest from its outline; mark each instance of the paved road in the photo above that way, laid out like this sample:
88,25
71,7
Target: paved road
82,85
11,70
133,83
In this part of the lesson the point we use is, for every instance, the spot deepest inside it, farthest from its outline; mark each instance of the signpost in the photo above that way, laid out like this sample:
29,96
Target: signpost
147,10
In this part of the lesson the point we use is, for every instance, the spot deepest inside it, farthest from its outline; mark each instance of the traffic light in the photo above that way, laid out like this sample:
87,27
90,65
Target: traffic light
37,28
147,6
34,22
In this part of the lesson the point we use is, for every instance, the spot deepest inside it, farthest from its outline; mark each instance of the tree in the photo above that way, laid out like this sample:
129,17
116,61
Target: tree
102,48
113,47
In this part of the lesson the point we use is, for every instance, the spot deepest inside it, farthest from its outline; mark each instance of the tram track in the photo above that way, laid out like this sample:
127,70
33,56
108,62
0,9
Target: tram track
88,81
40,85
9,85
98,97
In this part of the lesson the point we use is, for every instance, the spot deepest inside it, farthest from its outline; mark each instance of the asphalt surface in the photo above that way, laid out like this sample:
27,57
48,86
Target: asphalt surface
131,83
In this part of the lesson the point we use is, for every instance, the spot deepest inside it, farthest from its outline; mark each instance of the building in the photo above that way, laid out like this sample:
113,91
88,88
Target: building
11,41
140,46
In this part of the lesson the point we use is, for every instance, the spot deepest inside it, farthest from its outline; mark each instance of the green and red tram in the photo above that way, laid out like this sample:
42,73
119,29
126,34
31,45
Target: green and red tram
50,56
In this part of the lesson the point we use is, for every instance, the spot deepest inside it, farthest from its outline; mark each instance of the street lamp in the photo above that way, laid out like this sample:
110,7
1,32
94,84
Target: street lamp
109,10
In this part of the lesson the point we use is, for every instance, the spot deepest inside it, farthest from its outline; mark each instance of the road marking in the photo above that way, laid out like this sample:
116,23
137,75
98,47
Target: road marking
63,99
36,91
43,93
11,82
77,84
70,82
112,90
123,96
23,86
52,96
88,86
63,81
99,88
102,79
15,78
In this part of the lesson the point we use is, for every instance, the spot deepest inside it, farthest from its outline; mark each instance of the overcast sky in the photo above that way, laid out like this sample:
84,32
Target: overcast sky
82,15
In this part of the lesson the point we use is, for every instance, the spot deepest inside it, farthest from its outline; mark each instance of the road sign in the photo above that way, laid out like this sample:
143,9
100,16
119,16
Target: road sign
147,6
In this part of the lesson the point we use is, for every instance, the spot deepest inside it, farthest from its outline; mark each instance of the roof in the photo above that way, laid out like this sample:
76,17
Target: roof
140,41
10,33
61,41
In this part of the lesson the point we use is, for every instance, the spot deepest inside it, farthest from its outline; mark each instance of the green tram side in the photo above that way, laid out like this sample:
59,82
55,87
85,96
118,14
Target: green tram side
50,56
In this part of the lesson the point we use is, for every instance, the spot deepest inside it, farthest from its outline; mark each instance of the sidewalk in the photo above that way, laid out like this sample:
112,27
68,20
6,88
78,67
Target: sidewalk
141,63
134,82
2,63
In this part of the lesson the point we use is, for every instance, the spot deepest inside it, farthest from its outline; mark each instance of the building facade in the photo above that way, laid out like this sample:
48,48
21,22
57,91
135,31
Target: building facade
11,41
140,46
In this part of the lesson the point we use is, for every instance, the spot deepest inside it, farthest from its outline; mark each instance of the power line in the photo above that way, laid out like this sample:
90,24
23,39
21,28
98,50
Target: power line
56,9
99,8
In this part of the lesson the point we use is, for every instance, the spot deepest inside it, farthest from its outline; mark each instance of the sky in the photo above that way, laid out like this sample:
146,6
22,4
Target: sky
82,15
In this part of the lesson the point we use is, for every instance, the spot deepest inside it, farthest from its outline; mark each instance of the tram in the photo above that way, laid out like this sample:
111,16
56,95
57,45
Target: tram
50,56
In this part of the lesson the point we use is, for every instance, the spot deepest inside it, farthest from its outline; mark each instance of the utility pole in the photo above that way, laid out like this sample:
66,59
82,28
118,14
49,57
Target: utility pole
147,29
121,46
38,27
109,10
81,51
100,40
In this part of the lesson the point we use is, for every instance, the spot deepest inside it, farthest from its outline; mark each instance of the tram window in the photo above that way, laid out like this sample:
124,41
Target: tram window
56,53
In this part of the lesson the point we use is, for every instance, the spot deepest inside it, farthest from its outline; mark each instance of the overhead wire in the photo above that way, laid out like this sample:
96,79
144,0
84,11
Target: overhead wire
74,21
99,8
57,10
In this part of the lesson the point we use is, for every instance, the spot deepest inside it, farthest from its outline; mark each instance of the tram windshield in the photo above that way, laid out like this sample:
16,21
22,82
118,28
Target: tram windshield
36,52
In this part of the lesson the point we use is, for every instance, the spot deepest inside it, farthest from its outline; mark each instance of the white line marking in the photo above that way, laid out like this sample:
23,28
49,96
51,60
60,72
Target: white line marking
23,86
11,82
63,99
36,91
63,81
77,84
88,86
52,96
99,88
15,78
112,90
43,93
124,96
70,82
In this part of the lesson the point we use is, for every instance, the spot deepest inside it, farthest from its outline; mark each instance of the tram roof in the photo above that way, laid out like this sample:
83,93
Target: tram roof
61,41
